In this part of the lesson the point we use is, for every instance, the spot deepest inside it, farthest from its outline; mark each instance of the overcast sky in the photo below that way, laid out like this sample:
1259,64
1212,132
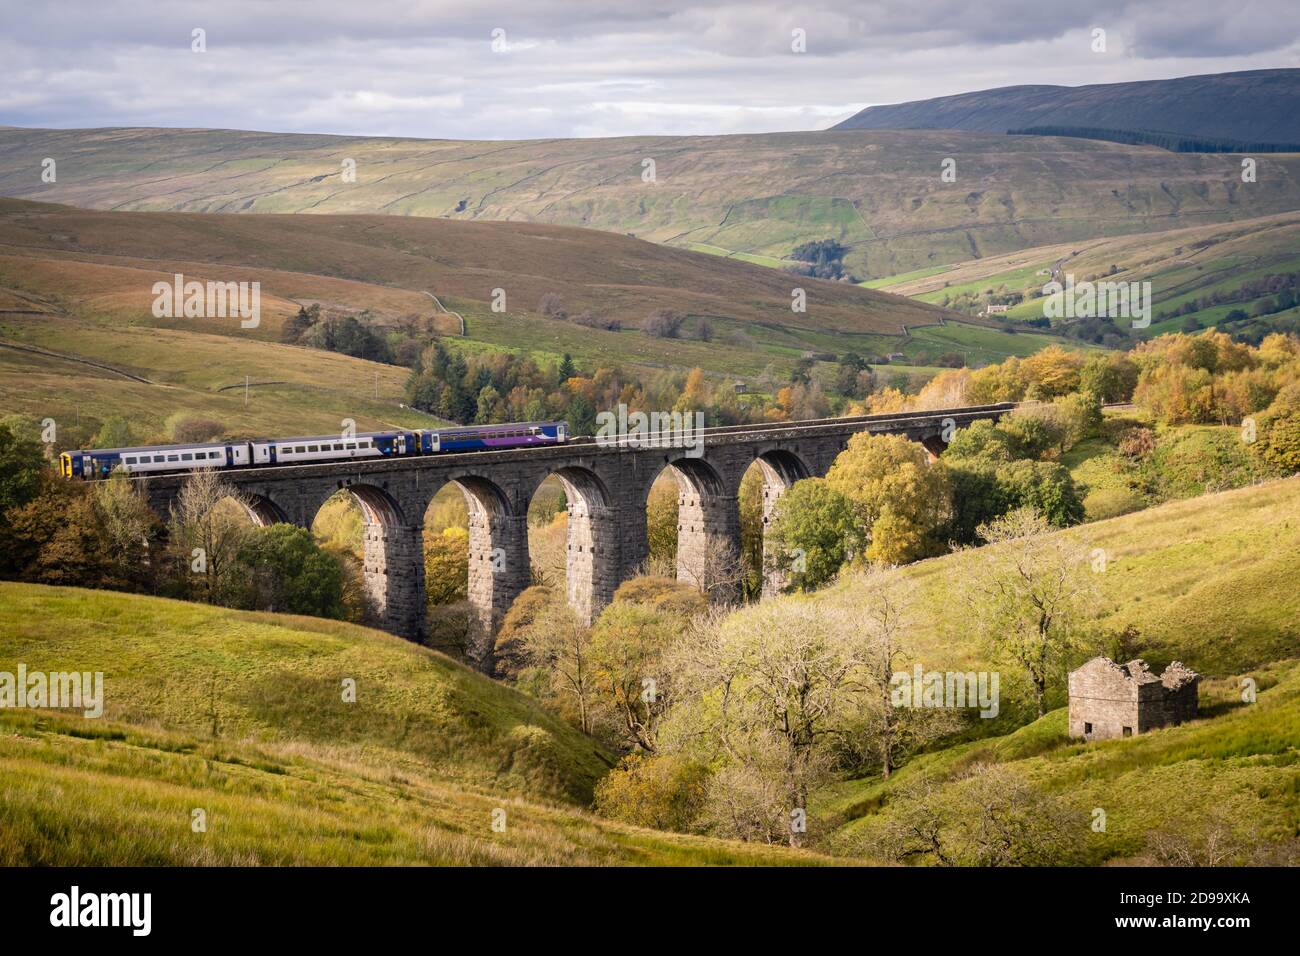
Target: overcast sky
591,68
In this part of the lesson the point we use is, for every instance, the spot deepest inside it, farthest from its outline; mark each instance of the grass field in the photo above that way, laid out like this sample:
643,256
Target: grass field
241,715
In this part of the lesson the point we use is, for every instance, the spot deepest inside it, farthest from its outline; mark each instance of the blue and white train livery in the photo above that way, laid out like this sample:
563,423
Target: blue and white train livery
102,462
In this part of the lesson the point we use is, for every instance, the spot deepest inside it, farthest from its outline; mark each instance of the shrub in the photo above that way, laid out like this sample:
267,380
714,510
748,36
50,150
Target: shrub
1137,443
663,323
552,306
663,792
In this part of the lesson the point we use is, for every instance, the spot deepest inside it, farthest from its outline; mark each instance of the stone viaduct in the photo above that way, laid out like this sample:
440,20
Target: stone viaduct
606,486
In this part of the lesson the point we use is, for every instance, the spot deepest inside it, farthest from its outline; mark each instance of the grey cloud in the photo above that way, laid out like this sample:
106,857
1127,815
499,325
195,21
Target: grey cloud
585,68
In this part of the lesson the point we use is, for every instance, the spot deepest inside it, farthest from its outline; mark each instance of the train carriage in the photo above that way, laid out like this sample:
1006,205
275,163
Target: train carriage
293,451
102,462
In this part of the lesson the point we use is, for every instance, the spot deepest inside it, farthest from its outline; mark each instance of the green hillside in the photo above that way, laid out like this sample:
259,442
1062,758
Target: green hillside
241,715
1222,789
1208,581
1203,276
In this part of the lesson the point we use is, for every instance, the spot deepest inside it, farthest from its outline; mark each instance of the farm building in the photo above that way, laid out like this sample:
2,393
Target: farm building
1119,700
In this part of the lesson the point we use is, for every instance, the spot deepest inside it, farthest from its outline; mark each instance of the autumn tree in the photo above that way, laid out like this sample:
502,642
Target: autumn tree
628,644
902,501
989,816
446,566
1277,431
549,638
885,605
764,692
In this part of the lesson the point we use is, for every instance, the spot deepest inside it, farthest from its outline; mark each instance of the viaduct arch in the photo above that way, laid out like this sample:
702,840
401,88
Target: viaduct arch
606,486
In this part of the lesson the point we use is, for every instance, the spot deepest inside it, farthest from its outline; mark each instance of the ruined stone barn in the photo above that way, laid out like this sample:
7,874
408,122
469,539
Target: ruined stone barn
1119,700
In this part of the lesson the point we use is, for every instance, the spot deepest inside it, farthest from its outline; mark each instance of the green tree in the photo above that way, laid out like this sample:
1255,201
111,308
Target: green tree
21,465
1044,486
285,570
1029,596
813,533
115,432
566,370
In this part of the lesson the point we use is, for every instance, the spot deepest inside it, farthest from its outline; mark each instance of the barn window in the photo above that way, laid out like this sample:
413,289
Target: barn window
1128,731
1087,728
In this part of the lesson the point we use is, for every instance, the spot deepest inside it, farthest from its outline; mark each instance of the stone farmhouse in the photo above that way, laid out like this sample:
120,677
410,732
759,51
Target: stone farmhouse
1119,700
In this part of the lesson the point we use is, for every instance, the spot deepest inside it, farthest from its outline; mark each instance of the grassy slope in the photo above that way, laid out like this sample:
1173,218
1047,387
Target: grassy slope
1180,264
1238,760
1209,581
760,195
410,773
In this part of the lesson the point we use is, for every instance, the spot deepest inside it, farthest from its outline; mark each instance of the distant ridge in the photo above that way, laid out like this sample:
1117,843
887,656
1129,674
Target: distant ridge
1251,107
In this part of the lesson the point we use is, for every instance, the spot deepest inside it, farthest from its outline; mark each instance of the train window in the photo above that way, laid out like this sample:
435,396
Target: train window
300,450
338,447
173,458
312,448
187,457
159,458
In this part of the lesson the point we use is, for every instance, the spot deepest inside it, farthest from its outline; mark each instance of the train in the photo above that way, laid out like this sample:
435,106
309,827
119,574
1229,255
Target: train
99,463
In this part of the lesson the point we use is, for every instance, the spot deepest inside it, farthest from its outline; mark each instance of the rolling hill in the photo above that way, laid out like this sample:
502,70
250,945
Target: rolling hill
754,197
1253,106
79,341
241,716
